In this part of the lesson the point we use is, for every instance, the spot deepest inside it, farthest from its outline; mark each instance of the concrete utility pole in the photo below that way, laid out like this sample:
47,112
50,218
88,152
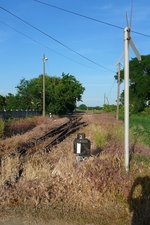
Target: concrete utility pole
44,60
118,92
127,41
126,97
104,99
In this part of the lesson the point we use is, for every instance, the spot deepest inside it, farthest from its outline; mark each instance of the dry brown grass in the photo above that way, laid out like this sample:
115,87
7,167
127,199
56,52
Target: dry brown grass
97,185
43,125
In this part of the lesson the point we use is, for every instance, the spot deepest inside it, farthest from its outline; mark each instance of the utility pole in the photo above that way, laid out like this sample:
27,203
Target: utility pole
118,92
126,96
127,41
107,100
104,99
44,60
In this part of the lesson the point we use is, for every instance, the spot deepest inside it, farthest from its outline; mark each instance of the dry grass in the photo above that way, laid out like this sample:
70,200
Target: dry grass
43,125
97,185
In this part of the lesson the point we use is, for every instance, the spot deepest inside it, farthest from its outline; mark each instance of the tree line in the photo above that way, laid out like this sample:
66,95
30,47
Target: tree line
61,94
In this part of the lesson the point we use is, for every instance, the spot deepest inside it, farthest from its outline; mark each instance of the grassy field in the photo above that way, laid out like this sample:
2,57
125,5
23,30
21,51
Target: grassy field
140,127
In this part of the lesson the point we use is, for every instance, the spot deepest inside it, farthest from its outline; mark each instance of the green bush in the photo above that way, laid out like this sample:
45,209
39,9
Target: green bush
109,108
100,140
2,126
147,110
100,137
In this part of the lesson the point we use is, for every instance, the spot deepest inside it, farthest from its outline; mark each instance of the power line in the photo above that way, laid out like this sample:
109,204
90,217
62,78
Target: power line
78,14
142,34
89,18
37,42
54,39
112,86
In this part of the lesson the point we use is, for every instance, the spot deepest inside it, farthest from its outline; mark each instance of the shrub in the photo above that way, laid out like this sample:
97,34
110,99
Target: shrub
109,108
100,137
2,126
147,110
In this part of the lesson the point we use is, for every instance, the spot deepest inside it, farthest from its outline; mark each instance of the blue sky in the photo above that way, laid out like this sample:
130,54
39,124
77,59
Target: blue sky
21,57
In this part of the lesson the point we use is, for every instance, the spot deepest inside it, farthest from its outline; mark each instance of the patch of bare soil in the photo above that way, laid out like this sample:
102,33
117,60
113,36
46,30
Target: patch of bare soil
93,191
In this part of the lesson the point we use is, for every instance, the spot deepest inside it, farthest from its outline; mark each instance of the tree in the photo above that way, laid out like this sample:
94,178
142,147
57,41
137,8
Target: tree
12,102
83,107
139,83
29,93
2,102
67,91
60,97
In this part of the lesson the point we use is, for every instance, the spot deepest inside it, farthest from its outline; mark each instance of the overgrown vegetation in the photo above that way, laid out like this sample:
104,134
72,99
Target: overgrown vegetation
13,127
88,109
96,191
99,136
2,126
18,126
139,125
109,108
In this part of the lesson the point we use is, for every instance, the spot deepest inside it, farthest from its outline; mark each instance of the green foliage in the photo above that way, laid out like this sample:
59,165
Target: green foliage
82,107
139,83
12,102
109,108
29,93
100,137
95,108
60,96
141,159
68,91
2,102
2,126
147,110
140,128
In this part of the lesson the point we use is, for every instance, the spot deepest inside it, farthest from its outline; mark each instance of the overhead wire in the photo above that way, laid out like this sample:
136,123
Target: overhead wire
111,88
99,21
89,18
78,14
37,42
54,39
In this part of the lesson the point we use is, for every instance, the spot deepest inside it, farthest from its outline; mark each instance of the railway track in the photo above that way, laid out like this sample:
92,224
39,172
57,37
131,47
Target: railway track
57,134
53,137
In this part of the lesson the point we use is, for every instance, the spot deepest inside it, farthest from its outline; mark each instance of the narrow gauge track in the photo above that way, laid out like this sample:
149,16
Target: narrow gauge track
71,128
57,134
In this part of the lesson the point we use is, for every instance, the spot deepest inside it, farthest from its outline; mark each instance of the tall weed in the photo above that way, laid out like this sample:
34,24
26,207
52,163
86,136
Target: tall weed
2,126
100,136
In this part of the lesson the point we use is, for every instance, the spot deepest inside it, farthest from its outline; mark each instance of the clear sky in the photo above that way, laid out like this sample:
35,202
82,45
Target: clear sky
21,57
